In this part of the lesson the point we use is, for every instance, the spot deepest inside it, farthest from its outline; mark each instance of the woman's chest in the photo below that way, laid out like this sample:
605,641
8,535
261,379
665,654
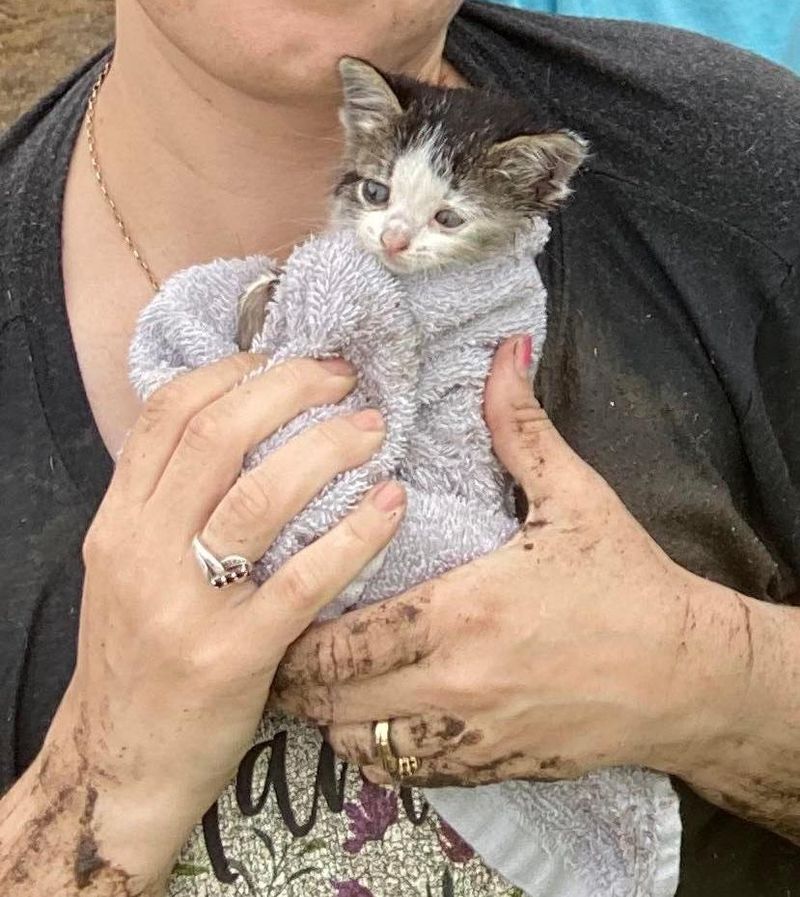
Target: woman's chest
101,345
104,291
628,379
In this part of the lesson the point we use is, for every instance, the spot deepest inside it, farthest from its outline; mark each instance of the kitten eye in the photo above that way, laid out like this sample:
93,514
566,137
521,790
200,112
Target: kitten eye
448,218
375,193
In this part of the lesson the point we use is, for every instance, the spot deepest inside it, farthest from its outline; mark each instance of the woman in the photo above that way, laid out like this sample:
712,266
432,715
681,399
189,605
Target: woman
671,367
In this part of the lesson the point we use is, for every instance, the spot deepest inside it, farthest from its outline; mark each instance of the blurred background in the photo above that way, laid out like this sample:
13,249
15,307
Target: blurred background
41,40
768,27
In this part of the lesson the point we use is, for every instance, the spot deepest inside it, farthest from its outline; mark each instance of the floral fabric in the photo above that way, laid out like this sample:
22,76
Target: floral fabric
298,822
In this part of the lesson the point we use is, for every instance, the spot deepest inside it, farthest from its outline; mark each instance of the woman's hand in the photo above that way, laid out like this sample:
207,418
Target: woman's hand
572,647
172,675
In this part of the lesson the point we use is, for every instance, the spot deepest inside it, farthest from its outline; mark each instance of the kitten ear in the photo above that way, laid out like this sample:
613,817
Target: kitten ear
543,163
369,101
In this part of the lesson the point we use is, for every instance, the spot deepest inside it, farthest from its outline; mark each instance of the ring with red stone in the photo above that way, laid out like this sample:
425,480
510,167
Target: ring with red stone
221,572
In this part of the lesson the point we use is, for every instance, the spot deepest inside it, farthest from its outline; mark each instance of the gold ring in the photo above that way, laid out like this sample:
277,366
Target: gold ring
407,766
385,753
402,767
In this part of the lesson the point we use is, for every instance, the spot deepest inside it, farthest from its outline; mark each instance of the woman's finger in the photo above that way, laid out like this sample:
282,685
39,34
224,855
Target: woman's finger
422,737
523,437
164,417
290,599
209,454
402,693
256,508
432,773
365,643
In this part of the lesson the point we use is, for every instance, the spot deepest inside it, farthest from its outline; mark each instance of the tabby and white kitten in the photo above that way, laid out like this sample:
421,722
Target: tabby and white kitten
435,176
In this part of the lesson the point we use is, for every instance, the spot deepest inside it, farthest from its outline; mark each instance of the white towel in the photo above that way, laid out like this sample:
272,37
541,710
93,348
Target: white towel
423,346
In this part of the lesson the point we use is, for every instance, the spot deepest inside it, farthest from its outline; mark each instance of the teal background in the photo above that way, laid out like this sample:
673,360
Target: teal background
768,27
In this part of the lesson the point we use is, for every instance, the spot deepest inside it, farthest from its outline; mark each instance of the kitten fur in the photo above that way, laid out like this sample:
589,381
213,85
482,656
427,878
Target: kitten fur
482,156
469,152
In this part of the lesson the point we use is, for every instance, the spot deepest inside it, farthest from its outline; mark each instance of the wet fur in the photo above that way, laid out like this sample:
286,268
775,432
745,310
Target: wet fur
479,154
482,155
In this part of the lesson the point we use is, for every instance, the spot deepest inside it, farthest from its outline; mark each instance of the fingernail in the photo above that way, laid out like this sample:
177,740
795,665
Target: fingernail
388,496
523,350
338,366
367,420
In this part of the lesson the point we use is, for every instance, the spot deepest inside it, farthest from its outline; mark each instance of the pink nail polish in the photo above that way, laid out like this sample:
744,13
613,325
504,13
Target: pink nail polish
388,496
370,419
523,351
338,366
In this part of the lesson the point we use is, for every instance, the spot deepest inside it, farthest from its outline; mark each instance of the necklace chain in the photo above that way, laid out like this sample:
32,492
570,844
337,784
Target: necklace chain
98,174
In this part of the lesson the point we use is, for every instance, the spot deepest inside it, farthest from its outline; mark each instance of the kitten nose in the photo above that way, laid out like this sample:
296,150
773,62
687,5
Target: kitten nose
395,241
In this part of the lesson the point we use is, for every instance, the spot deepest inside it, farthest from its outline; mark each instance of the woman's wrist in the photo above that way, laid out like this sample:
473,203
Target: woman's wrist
51,843
728,690
116,825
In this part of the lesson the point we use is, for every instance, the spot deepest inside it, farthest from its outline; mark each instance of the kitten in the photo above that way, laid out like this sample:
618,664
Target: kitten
436,176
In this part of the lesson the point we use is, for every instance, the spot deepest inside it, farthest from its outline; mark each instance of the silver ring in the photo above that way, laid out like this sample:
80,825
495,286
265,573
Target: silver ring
221,572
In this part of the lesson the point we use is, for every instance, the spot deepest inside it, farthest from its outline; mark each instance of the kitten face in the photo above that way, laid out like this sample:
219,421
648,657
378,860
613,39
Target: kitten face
437,176
410,213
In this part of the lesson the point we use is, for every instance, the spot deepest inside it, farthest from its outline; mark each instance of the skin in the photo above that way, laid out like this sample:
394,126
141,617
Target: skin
578,645
108,800
210,155
202,165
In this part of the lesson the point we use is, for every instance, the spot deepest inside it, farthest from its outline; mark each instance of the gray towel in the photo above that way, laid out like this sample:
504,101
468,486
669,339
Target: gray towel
423,346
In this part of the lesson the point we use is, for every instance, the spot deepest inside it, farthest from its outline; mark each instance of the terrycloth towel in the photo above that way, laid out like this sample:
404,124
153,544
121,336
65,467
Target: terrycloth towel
423,346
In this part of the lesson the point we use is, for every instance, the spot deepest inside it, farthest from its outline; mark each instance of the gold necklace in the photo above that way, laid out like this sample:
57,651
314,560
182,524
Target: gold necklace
98,174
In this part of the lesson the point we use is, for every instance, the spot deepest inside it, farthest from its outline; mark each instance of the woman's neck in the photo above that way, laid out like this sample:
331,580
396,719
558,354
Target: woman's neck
201,170
198,171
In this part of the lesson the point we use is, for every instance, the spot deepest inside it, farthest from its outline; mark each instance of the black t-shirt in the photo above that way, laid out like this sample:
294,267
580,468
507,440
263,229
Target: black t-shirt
672,362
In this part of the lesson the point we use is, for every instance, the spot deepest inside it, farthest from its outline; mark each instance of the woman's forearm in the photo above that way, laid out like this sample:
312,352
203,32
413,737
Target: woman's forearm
49,842
111,798
740,678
